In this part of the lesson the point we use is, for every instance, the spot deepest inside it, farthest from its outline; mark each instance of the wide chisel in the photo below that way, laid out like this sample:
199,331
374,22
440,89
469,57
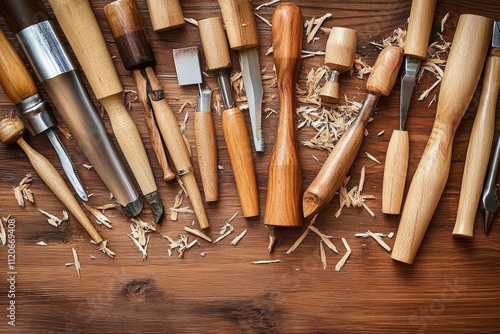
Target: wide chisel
33,111
415,50
463,69
242,33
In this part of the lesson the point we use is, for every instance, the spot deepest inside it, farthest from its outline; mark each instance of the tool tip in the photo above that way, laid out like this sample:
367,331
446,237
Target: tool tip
133,208
155,204
311,204
488,219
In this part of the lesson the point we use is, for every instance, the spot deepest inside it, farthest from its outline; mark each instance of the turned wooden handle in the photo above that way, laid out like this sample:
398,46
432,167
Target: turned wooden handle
385,71
20,14
11,130
15,79
340,49
214,42
240,23
396,166
240,154
284,187
465,62
165,14
419,28
478,152
206,148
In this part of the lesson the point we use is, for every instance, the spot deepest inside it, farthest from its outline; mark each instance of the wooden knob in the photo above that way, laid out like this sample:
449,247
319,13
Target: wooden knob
419,28
340,49
165,14
240,23
214,42
11,129
20,14
130,37
330,92
385,71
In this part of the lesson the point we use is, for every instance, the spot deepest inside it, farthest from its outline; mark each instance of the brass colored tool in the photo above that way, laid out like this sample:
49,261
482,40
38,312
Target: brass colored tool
216,49
339,57
463,69
83,33
335,168
35,113
137,55
165,14
398,151
284,185
30,22
188,68
242,32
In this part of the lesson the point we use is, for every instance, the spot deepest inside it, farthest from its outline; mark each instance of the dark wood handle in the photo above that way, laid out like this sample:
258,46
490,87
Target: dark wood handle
20,14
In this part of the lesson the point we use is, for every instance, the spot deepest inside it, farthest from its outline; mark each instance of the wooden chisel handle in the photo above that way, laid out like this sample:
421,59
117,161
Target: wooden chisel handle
419,28
11,130
284,185
338,163
165,14
461,76
478,152
396,166
240,23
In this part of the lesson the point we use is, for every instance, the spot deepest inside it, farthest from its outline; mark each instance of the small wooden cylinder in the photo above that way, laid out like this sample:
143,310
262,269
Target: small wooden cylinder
330,93
240,23
385,71
340,49
215,46
419,28
165,14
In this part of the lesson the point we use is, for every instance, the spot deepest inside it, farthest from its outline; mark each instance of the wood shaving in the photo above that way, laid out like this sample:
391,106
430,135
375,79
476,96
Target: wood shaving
198,233
3,234
139,233
265,261
181,245
344,258
366,235
100,218
379,241
380,133
106,207
425,94
354,197
65,132
312,26
22,192
76,261
103,247
238,238
443,21
303,236
361,68
88,166
191,21
371,157
323,255
266,4
266,21
54,220
92,257
324,238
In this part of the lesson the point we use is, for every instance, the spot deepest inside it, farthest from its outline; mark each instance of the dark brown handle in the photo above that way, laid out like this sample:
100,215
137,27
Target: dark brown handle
20,14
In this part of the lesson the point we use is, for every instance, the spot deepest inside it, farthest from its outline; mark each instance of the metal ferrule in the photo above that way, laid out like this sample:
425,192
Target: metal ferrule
225,88
45,51
35,114
204,98
335,76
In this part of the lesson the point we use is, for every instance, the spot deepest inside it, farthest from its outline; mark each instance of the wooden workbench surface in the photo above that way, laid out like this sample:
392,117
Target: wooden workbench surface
453,285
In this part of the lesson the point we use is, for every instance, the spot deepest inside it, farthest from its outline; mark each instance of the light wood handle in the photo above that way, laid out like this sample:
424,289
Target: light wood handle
340,49
283,205
240,23
206,148
396,166
15,79
419,28
478,152
11,130
385,71
240,154
165,14
214,42
461,76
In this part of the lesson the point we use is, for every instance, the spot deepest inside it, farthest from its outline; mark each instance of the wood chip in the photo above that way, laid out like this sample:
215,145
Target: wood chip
65,132
265,261
198,233
22,192
371,157
41,243
303,236
312,26
324,237
100,218
323,255
266,4
88,166
427,91
380,133
54,220
238,238
103,247
344,258
266,21
191,21
76,261
379,240
443,21
106,207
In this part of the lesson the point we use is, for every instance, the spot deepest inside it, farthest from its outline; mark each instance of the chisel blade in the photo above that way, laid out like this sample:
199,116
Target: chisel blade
408,82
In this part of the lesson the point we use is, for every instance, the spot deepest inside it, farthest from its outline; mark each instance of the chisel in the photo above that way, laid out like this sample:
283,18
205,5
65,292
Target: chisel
338,163
239,147
479,149
30,22
415,50
80,27
165,14
137,55
242,33
284,186
34,112
463,69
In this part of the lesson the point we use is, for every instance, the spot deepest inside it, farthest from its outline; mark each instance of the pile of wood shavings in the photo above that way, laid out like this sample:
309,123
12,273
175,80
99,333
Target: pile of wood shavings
180,245
139,234
54,220
177,208
353,197
22,192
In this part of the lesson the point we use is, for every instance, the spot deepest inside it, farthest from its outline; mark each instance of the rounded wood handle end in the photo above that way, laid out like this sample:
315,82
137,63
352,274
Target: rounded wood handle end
385,71
214,42
341,49
165,14
396,166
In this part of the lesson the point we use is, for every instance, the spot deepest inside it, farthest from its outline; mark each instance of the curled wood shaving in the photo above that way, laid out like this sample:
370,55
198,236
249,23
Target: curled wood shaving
138,231
238,238
344,258
266,4
265,261
22,192
198,233
76,261
379,241
354,196
324,238
443,21
103,247
303,236
323,255
100,218
361,68
312,26
54,220
191,21
181,245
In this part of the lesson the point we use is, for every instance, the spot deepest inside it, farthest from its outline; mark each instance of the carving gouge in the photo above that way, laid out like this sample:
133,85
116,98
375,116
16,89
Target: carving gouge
242,33
165,14
478,152
216,49
188,68
35,113
463,69
30,22
80,26
137,55
396,161
335,168
284,186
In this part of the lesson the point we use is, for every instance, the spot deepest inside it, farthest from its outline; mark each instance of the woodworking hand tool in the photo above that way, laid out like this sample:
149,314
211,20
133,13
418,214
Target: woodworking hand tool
137,55
34,112
241,30
334,170
216,50
165,14
80,26
284,186
463,69
397,156
478,152
11,131
30,22
489,198
339,57
188,68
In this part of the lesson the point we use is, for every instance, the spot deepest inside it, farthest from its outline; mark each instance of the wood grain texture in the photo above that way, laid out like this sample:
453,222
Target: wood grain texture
165,14
214,42
206,149
239,20
451,287
395,168
419,28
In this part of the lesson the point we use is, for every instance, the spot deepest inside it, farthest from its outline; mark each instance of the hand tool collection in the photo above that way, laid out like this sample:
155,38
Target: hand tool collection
286,203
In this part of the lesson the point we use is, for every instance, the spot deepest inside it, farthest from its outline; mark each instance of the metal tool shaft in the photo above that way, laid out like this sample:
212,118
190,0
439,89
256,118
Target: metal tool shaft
489,197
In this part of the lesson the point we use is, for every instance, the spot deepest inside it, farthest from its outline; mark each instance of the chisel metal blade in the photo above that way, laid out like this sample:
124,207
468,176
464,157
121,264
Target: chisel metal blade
408,81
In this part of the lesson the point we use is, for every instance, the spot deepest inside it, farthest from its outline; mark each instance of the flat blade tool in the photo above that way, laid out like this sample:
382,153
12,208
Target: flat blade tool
31,24
242,33
80,27
463,69
33,111
398,151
